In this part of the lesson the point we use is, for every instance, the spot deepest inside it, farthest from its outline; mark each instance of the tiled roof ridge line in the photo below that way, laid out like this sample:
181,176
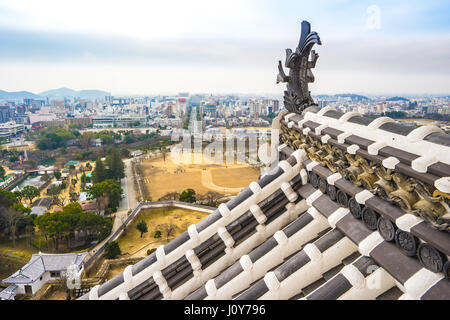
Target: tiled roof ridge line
367,245
288,172
413,142
440,182
287,244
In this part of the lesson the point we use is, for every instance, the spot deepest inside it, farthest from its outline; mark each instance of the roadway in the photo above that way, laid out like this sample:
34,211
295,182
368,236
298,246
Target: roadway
129,201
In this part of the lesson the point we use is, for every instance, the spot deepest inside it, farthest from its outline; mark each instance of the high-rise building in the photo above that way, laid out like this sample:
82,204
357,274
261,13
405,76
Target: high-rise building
276,105
5,114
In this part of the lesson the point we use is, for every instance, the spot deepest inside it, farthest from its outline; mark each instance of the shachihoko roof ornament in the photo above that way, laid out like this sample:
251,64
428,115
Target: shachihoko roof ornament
297,97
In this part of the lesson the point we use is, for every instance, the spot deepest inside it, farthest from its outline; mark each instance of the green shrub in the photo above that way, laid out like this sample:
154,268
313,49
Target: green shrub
112,250
157,234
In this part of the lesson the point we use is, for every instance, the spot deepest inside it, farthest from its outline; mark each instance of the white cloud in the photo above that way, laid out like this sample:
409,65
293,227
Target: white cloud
216,46
132,18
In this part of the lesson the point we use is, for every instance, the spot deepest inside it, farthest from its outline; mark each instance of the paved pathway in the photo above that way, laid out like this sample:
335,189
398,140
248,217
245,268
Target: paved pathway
127,203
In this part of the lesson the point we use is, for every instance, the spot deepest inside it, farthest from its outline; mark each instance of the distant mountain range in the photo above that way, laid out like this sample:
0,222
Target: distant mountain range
53,94
18,95
354,97
66,92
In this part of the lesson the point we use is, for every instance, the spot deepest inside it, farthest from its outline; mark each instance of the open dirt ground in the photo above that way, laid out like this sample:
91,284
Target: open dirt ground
162,177
132,245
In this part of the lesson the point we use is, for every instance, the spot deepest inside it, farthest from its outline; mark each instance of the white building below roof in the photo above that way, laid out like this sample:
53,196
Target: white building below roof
136,153
38,210
8,293
43,267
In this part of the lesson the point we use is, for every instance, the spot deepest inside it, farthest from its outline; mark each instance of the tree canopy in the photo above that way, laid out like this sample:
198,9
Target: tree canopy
64,224
107,193
112,168
57,174
54,137
188,195
12,216
2,172
116,167
99,172
30,192
112,250
142,227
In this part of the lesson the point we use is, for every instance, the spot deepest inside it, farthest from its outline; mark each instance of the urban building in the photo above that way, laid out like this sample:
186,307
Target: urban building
5,114
10,129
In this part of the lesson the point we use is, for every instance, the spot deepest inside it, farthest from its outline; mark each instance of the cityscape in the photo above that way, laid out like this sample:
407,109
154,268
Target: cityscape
19,116
287,193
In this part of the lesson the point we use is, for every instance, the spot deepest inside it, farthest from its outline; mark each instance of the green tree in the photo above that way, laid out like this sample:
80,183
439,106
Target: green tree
57,174
99,173
2,172
19,195
107,193
30,192
66,223
157,234
112,250
55,137
11,213
116,165
125,152
54,191
105,137
188,195
85,139
83,180
7,198
142,227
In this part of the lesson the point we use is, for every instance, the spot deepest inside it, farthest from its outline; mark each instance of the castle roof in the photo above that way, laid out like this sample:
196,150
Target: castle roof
283,238
44,262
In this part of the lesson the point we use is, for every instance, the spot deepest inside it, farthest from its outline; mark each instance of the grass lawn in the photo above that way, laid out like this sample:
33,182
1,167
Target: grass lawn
22,248
9,265
131,242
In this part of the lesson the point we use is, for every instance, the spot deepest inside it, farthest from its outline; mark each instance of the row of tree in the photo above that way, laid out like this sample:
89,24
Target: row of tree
55,137
106,178
27,192
73,224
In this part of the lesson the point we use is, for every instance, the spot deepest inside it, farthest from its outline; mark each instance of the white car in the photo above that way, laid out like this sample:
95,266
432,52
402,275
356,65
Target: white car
123,195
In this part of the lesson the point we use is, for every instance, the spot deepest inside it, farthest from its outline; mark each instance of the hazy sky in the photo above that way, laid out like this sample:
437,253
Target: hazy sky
145,47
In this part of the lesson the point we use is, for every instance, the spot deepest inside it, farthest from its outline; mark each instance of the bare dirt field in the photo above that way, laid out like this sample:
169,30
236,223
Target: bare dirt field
162,177
132,245
57,295
114,271
234,177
